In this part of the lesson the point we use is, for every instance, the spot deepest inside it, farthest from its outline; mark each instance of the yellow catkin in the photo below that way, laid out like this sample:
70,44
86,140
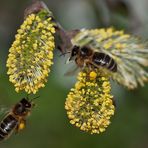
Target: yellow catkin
31,54
89,104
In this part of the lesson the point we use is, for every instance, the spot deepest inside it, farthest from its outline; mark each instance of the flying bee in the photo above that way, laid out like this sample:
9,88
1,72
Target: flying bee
15,120
87,56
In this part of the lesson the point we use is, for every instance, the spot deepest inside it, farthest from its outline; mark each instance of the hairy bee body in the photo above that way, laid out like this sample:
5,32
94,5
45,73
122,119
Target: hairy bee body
15,119
87,56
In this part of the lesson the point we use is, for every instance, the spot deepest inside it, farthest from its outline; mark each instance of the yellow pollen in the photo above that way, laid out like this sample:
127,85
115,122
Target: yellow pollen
93,75
21,126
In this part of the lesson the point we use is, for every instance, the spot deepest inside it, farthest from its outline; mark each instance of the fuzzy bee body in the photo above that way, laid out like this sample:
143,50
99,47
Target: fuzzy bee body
15,119
87,56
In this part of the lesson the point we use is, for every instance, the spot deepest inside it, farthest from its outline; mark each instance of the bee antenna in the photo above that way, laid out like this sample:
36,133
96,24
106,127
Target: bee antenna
65,53
34,98
27,97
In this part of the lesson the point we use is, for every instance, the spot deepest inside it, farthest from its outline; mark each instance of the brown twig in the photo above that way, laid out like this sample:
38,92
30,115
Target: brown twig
35,8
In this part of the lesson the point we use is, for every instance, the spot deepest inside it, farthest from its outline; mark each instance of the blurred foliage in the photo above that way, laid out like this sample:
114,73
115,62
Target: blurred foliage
48,125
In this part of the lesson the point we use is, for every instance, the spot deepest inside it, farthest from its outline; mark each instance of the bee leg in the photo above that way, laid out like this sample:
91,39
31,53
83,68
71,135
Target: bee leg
61,49
20,126
88,64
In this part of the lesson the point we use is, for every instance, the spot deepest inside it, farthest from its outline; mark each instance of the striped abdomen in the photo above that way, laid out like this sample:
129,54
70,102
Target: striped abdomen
7,125
104,60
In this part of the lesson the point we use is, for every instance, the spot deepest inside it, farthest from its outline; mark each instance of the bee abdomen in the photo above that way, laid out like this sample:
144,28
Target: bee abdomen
104,60
7,126
112,66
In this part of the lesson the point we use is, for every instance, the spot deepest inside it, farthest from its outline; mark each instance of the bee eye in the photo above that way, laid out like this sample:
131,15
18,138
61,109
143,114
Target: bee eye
19,109
84,51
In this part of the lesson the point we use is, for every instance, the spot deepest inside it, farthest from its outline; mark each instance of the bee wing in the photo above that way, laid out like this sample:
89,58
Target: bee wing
3,110
72,71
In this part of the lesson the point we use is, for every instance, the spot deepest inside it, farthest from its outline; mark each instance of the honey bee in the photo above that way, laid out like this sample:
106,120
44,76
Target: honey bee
15,120
87,56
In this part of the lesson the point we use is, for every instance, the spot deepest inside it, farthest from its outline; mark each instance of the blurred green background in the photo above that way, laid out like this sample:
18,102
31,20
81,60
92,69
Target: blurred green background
48,126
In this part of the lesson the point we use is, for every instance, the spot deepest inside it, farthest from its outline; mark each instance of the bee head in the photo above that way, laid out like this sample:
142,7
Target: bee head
74,53
26,103
23,107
